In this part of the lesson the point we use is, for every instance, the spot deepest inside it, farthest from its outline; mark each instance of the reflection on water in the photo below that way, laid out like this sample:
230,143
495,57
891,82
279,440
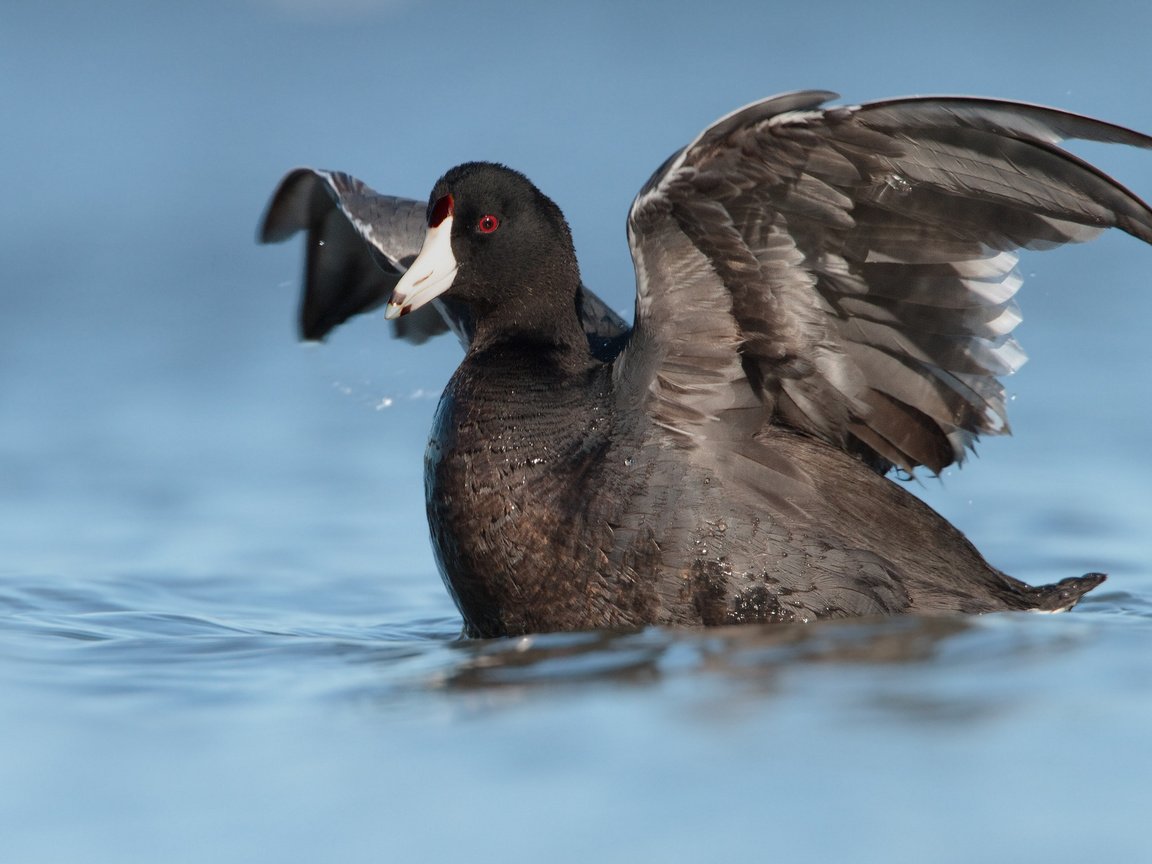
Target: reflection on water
129,636
741,653
916,668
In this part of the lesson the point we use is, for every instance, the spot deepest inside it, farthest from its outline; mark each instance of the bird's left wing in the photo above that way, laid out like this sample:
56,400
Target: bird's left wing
849,272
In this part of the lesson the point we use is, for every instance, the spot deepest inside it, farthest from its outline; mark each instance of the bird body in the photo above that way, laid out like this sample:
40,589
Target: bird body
551,510
823,295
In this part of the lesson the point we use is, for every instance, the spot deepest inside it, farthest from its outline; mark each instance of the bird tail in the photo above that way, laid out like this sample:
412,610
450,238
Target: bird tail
1063,595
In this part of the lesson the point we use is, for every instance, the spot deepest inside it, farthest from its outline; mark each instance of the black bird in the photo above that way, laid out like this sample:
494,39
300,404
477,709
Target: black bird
824,294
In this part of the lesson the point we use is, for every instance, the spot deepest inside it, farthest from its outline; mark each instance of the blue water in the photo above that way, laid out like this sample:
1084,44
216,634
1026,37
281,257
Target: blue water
222,636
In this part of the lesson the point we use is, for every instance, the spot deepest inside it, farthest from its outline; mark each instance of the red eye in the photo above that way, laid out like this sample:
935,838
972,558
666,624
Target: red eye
487,223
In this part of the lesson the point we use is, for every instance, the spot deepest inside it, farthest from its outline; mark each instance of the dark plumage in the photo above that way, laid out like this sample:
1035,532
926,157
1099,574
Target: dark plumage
822,295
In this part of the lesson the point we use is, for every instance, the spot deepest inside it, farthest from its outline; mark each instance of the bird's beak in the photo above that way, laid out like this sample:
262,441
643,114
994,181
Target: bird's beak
430,275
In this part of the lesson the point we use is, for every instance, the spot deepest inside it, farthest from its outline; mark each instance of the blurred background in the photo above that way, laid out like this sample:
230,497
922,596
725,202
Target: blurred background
222,633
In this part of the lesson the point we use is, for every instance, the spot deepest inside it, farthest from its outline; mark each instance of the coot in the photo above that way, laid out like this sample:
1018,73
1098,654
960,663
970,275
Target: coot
824,294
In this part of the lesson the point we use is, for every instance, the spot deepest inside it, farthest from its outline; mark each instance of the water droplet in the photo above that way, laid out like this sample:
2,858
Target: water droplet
898,184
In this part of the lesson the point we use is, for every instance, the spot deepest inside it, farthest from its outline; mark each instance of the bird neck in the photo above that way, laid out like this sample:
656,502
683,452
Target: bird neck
538,329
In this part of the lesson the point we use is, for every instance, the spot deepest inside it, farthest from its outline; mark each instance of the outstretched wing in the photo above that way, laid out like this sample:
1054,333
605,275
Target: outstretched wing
359,242
850,271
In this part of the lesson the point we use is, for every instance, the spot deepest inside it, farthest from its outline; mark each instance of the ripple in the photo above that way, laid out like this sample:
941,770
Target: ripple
270,642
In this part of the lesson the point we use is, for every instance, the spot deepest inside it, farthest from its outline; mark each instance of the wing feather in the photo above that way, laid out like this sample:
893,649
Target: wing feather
358,244
860,262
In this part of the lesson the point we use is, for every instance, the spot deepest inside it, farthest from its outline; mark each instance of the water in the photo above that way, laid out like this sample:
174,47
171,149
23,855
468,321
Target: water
222,637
